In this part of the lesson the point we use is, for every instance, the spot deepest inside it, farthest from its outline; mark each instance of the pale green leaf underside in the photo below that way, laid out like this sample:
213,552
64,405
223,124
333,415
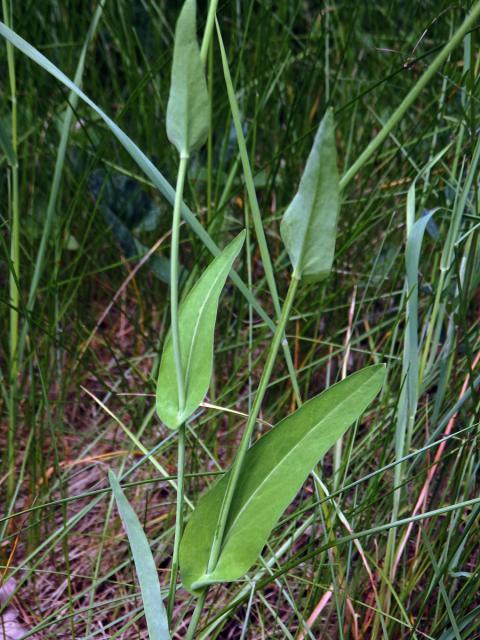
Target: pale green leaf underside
144,564
197,316
274,470
309,226
188,106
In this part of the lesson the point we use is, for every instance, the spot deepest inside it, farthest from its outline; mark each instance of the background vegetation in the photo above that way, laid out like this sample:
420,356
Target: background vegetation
92,311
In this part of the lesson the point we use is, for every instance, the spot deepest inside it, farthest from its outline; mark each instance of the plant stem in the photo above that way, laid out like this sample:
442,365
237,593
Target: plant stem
14,266
182,170
252,419
178,519
278,338
207,34
255,207
192,627
175,331
411,96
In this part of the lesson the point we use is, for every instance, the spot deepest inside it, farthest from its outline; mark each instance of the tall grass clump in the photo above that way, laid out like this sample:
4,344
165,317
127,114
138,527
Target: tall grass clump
241,262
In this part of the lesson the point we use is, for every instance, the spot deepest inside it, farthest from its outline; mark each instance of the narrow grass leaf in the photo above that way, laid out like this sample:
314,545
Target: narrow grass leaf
188,106
197,316
274,470
309,226
144,564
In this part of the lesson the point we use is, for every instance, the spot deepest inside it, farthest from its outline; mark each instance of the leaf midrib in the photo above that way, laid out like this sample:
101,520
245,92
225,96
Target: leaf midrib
194,334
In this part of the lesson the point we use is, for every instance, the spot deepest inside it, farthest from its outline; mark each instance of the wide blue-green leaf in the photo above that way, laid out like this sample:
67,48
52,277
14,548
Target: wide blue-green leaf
274,470
197,316
155,613
188,108
309,226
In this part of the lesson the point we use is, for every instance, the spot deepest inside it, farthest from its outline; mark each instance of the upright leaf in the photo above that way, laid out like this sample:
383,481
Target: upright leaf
144,564
197,316
188,108
309,226
274,470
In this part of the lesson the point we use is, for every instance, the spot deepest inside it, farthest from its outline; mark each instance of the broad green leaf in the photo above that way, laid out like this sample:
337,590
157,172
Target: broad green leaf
197,316
188,108
309,226
274,470
144,564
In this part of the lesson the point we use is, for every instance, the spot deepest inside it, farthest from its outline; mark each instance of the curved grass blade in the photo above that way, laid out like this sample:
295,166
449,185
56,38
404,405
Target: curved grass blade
197,316
274,470
188,107
144,564
309,226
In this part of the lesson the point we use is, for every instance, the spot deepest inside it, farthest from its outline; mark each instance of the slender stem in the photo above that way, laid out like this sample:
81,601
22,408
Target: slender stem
245,442
177,355
255,207
207,34
210,139
278,338
14,290
192,627
178,520
412,95
182,170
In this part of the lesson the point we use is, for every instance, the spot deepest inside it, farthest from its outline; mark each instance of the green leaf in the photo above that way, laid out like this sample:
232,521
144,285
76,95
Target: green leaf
197,316
309,226
144,564
274,470
188,111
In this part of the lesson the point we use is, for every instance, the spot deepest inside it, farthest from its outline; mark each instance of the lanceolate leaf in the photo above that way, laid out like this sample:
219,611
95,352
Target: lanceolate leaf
309,226
144,564
197,316
274,470
188,108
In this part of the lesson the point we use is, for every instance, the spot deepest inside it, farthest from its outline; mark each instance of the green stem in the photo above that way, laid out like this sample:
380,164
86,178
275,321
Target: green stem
252,419
210,140
234,475
255,207
207,34
182,170
410,98
177,355
192,627
178,520
14,267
